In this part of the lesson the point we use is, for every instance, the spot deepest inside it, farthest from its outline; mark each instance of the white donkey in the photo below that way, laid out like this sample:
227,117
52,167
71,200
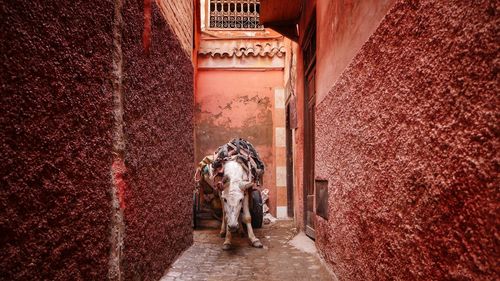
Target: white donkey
234,196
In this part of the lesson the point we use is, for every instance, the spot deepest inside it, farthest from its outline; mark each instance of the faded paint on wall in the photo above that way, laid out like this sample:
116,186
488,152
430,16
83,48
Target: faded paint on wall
232,104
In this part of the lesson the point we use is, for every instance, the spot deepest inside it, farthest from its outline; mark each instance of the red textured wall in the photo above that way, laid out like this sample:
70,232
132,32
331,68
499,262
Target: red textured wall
159,105
56,142
298,146
234,104
409,138
344,28
55,120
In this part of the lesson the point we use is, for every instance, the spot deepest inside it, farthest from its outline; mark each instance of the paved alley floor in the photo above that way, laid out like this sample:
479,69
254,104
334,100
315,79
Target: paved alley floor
280,259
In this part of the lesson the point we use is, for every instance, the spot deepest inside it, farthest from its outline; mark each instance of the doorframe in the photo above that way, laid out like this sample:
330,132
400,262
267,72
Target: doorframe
289,162
309,62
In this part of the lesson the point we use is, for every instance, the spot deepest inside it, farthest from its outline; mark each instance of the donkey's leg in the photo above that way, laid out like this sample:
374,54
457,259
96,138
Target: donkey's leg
227,242
241,231
247,219
223,225
222,232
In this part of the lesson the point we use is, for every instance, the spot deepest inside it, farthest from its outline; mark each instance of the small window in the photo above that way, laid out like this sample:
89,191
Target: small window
234,14
322,198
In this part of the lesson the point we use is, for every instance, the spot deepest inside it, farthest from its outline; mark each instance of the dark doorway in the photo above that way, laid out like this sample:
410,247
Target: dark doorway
289,162
309,55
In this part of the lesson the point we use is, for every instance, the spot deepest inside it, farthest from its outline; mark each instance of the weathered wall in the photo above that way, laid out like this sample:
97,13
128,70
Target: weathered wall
58,161
158,115
298,144
55,115
232,104
343,27
409,140
179,15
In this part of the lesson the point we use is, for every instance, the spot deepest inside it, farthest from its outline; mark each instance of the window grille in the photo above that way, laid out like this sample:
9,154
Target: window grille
234,14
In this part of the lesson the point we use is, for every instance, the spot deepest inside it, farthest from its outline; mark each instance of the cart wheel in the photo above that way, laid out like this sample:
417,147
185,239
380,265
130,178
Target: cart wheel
256,210
196,201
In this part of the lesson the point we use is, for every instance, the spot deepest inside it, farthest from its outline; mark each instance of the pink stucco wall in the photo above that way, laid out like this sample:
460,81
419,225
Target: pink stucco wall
239,103
408,140
343,27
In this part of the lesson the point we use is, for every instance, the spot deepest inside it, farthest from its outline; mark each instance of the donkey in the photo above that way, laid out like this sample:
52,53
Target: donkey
234,196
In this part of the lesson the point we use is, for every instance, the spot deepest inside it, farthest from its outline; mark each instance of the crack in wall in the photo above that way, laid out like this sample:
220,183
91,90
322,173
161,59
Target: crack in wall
118,166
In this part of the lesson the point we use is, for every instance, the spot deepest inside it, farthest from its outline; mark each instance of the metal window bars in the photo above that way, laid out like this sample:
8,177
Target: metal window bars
234,14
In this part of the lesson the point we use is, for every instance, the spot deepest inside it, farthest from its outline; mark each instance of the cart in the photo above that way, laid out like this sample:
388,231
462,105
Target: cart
206,201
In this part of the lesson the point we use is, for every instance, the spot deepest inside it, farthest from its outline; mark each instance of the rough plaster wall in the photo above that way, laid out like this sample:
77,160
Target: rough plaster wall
158,115
55,140
344,28
231,104
298,147
179,15
409,141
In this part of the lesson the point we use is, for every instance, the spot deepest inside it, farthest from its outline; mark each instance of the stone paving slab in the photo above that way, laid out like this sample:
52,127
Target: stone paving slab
278,260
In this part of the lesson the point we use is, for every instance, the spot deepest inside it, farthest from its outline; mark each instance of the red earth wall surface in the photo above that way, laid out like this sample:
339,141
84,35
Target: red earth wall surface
408,139
238,104
158,117
57,123
342,27
55,119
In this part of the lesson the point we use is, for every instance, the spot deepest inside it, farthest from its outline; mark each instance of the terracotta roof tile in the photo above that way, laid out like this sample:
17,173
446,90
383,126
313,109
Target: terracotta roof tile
241,48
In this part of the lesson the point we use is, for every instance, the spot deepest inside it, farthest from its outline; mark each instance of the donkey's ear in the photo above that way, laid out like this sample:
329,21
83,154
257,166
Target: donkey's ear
244,185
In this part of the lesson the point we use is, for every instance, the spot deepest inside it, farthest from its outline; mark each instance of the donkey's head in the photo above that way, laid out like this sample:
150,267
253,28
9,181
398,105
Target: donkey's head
235,184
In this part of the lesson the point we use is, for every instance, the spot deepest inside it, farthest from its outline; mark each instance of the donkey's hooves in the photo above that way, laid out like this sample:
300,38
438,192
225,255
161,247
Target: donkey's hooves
226,247
222,234
257,244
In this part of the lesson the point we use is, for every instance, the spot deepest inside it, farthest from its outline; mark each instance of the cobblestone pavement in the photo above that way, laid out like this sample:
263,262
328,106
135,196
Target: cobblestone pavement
278,260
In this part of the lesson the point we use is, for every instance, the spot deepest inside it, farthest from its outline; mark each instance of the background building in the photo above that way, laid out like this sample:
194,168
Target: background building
240,88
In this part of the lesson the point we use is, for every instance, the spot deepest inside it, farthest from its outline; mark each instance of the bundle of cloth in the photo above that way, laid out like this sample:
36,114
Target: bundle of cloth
242,151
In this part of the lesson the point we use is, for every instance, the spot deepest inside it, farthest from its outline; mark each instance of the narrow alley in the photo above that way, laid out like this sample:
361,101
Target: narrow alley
285,256
353,140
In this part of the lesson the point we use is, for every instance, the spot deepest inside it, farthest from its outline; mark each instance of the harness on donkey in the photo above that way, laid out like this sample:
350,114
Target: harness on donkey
212,167
239,150
243,152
